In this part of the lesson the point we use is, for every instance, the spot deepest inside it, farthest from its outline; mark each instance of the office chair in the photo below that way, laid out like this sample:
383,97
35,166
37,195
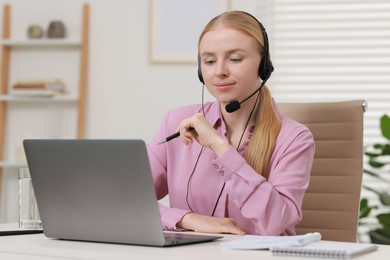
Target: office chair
331,203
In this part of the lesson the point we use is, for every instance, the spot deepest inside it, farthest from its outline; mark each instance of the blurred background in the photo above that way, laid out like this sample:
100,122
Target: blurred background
142,62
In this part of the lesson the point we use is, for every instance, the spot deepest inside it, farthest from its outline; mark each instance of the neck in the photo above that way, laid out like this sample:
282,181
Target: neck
237,121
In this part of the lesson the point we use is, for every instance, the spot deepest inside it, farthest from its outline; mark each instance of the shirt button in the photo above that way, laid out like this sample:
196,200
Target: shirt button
222,173
216,166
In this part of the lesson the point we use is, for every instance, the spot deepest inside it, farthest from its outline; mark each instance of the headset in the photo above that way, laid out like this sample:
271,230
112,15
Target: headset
265,67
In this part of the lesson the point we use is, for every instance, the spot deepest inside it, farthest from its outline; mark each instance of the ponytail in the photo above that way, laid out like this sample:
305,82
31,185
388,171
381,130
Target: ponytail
267,127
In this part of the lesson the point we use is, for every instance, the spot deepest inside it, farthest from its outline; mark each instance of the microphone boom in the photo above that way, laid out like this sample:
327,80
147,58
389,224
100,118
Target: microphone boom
236,105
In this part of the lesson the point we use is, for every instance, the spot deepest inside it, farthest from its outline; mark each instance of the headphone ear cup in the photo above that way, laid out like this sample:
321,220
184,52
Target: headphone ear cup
265,69
200,76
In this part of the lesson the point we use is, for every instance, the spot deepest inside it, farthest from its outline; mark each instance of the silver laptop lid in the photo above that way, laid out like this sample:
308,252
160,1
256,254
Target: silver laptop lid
95,190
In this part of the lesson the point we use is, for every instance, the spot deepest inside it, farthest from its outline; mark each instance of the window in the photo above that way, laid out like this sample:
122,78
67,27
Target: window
327,50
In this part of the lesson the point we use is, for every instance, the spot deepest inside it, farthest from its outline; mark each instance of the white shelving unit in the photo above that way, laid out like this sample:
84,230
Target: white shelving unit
40,105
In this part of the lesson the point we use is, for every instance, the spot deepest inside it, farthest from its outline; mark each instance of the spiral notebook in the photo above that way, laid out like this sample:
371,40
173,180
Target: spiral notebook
326,249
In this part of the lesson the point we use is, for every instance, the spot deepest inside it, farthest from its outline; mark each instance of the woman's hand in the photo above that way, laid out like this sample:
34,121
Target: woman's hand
197,127
201,223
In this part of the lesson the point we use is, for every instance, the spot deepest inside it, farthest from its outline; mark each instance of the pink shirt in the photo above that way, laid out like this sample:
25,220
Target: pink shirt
262,206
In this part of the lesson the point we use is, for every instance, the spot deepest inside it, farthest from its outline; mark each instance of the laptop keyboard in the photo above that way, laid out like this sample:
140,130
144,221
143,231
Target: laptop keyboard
174,238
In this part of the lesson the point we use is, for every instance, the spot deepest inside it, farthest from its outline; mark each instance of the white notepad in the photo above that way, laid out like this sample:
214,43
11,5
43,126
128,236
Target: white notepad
266,242
325,249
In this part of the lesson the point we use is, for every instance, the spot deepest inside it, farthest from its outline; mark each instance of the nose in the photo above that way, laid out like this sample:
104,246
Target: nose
221,70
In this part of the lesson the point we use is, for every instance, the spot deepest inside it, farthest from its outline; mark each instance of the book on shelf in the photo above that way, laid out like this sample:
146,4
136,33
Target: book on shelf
38,88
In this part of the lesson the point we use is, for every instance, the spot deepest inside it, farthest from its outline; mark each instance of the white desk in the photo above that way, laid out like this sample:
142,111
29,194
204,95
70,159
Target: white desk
38,246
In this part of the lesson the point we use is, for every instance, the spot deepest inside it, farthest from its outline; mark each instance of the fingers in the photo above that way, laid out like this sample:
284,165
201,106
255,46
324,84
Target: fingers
189,127
207,224
226,226
187,132
232,227
197,127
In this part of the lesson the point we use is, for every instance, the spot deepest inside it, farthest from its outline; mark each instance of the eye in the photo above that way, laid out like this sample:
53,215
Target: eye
235,59
209,61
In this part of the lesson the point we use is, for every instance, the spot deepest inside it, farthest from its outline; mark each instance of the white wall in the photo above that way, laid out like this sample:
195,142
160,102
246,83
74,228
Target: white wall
127,96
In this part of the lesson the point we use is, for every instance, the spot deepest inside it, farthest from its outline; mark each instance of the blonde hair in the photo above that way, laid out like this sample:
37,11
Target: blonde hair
267,122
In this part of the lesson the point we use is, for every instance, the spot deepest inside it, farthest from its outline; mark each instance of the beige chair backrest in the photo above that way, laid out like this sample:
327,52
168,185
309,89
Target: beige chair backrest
331,203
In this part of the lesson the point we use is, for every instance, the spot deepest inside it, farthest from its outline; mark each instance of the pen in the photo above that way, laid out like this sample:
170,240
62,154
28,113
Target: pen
308,238
172,136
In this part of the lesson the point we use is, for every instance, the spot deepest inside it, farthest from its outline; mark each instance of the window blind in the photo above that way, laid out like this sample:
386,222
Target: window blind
328,50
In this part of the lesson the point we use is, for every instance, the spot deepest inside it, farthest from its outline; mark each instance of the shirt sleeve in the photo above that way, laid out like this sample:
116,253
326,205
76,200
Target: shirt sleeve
158,163
274,204
169,216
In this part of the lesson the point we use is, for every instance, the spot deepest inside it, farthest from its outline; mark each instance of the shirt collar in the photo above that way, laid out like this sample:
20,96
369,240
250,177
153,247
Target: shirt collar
215,115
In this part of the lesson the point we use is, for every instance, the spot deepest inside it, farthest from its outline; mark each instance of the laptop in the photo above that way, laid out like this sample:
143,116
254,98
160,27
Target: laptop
99,190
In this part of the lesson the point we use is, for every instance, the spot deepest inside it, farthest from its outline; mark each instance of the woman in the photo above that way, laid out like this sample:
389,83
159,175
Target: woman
243,172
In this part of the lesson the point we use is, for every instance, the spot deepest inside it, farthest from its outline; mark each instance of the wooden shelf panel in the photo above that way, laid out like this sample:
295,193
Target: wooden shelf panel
41,43
64,98
12,165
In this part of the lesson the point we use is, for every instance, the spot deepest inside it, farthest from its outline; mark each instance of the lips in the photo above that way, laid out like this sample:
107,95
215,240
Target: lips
223,85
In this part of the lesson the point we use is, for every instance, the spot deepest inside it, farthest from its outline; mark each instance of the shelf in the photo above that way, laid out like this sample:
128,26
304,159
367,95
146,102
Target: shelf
41,43
58,98
8,44
12,165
